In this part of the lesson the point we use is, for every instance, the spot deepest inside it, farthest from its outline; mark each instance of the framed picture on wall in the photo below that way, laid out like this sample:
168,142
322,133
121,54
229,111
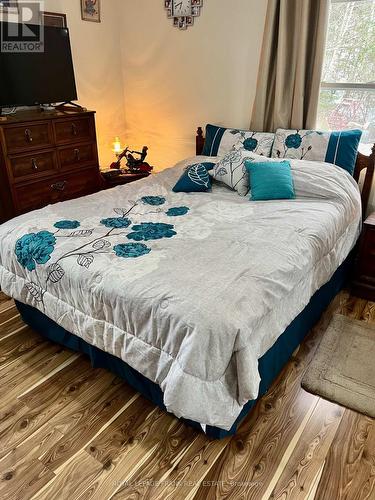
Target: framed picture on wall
90,10
9,6
54,19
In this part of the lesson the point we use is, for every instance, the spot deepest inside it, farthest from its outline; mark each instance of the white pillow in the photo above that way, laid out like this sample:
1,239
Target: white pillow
231,169
219,141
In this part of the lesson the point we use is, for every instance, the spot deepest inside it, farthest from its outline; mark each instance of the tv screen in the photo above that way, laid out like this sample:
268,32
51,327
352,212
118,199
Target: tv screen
31,78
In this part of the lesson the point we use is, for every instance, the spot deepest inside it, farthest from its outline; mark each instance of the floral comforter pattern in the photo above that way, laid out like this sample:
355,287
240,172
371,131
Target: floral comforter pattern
190,289
35,249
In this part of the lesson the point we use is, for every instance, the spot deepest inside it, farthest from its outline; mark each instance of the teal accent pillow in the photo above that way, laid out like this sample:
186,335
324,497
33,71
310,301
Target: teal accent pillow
271,180
195,179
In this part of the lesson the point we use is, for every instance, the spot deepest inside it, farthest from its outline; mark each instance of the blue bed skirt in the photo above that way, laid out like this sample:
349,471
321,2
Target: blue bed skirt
270,364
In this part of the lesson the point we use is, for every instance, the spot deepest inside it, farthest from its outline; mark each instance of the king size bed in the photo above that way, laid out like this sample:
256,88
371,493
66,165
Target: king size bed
198,299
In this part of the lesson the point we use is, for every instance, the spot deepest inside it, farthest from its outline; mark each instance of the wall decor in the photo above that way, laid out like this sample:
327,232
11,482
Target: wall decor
9,6
90,10
183,12
54,19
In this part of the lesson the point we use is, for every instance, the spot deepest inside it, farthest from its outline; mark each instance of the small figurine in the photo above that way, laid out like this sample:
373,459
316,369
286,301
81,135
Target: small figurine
134,164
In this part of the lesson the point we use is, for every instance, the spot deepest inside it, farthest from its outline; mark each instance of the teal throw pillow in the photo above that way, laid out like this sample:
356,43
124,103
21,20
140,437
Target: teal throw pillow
271,180
195,178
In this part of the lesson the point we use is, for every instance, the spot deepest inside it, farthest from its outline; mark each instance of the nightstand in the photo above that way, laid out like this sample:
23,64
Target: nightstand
119,180
363,284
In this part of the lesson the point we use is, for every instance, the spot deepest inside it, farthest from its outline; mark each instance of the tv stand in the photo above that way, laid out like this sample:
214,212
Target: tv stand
68,105
47,108
8,112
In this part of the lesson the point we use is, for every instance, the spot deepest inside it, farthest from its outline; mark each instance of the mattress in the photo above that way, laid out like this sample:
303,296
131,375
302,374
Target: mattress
191,289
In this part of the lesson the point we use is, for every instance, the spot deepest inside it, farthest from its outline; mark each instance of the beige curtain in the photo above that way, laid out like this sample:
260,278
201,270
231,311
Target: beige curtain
290,65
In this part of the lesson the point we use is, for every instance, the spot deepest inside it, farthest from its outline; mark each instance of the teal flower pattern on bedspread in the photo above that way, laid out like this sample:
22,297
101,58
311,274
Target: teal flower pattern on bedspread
151,231
106,236
67,224
177,211
131,250
35,248
117,222
153,200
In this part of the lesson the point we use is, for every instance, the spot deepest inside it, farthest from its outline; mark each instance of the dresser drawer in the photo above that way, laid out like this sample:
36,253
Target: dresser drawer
85,182
77,156
35,195
57,188
73,130
28,136
33,165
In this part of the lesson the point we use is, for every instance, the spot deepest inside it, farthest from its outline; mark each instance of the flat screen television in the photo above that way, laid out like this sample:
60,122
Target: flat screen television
32,78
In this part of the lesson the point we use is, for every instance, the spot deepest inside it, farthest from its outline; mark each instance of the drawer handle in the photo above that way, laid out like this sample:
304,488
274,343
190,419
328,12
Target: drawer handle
77,154
59,186
34,164
74,129
28,135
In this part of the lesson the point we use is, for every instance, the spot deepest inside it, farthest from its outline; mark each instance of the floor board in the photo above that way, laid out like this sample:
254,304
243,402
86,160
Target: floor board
70,432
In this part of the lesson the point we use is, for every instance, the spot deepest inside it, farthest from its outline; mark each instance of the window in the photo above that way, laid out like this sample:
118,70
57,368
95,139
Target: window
347,95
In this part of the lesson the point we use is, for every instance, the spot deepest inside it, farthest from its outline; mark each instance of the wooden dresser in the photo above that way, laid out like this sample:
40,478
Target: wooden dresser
46,158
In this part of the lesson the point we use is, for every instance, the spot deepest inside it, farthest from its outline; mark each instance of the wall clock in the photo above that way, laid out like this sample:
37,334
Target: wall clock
183,12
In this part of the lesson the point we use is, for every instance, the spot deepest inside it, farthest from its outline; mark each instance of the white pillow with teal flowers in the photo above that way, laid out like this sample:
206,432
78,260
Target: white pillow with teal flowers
231,169
339,148
219,141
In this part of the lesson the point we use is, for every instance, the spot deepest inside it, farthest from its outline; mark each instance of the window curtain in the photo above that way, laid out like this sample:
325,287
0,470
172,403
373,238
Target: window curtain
291,65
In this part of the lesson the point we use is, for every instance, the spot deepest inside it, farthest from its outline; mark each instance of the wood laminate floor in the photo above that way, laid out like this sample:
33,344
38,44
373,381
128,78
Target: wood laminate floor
68,431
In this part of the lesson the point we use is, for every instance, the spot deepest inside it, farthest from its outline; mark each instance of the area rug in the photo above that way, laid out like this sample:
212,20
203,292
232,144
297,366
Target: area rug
343,369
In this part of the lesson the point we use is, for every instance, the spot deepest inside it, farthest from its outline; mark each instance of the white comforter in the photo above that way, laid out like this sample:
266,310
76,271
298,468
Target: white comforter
195,310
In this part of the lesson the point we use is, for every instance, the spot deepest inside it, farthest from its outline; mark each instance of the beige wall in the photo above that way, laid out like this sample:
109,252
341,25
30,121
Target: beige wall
97,64
153,84
176,80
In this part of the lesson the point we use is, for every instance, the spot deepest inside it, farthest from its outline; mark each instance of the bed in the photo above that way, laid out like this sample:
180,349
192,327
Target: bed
192,298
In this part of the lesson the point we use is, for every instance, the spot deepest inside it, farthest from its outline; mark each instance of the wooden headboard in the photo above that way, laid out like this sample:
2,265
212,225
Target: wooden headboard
363,162
368,163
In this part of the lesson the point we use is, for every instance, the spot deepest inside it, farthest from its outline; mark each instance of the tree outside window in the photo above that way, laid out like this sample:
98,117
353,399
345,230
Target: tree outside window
347,96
